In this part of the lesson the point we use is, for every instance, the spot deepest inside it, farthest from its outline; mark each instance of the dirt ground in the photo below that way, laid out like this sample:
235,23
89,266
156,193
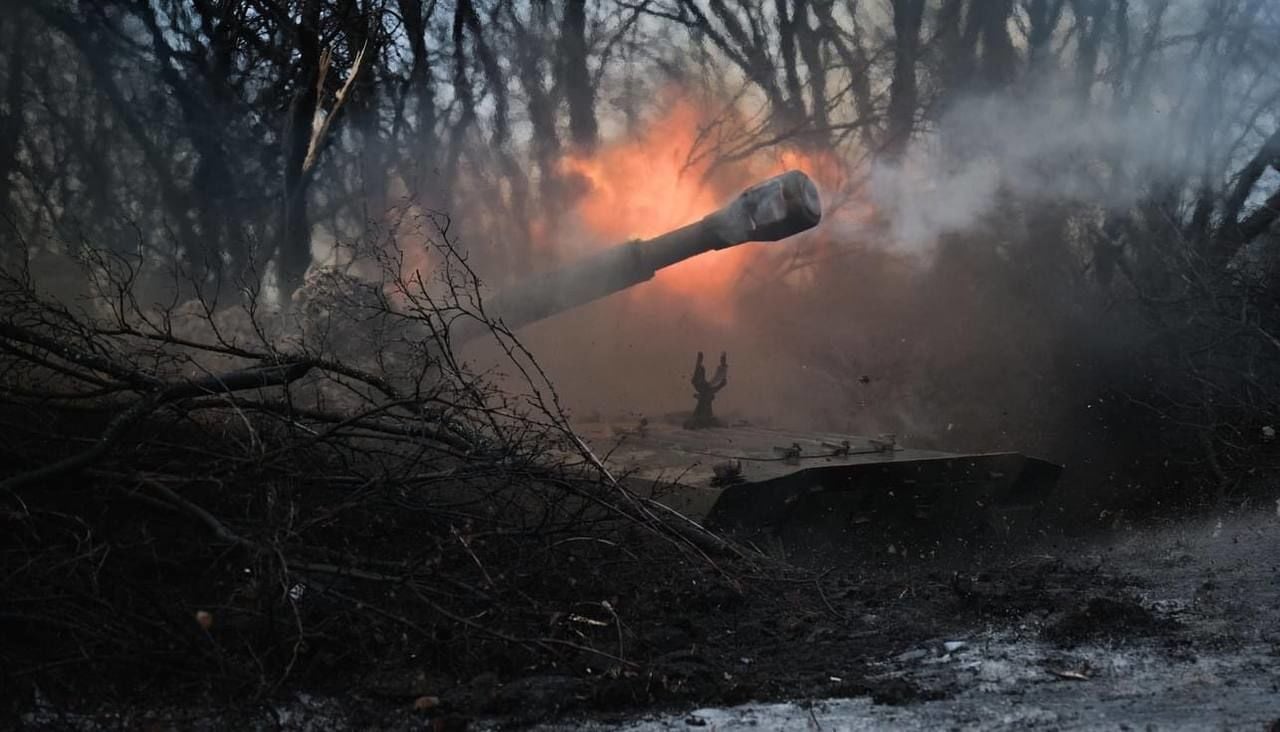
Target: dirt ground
1172,625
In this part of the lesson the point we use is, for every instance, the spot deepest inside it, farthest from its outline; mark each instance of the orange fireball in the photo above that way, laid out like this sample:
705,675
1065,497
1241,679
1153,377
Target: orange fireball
662,179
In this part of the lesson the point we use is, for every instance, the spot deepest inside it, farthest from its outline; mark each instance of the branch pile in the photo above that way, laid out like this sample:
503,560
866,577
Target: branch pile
232,498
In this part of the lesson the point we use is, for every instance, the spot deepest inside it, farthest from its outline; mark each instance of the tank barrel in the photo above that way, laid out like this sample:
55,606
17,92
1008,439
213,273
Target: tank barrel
769,211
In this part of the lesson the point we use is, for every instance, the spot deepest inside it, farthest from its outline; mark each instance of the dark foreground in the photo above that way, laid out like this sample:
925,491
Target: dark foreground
1164,628
1173,626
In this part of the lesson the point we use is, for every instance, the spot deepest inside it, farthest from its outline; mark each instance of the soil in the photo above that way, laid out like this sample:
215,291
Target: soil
1171,626
1133,626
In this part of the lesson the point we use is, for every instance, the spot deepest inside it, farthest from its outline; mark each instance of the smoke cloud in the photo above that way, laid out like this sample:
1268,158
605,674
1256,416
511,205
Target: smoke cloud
1047,145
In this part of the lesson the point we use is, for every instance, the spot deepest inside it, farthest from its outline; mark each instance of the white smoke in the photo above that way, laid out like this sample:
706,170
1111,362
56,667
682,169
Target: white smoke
1048,145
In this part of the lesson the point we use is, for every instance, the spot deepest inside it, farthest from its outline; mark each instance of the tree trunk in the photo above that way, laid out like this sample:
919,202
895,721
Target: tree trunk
294,248
12,120
421,89
999,59
907,18
1043,17
583,129
1089,27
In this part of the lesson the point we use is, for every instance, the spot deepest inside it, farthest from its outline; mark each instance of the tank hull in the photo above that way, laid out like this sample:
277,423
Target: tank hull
818,491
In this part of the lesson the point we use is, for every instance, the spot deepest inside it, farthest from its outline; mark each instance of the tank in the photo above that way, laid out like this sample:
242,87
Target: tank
779,489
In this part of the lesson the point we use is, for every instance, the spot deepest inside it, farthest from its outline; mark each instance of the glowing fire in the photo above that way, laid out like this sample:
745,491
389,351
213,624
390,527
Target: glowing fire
659,180
646,184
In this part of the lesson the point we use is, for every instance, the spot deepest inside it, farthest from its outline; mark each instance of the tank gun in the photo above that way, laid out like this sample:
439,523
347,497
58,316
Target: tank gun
770,211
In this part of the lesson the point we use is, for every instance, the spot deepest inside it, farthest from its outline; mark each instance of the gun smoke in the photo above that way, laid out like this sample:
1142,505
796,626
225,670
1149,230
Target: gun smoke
876,331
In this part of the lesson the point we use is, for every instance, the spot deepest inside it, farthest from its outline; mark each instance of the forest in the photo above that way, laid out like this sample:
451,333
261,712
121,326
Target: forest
241,453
